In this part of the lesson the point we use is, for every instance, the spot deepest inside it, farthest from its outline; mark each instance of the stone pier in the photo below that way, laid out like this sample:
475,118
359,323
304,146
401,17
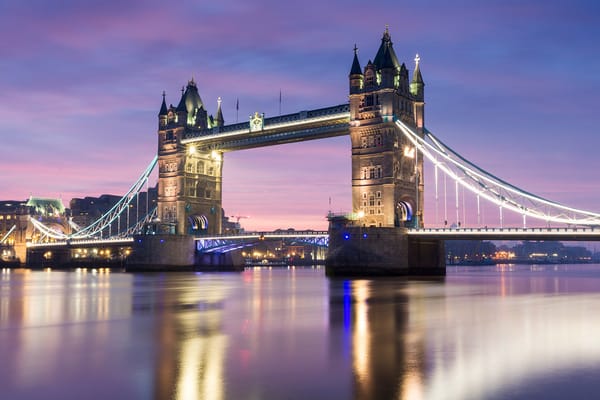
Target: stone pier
375,251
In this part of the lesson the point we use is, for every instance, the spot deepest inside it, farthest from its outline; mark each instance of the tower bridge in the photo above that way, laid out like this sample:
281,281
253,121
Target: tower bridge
385,231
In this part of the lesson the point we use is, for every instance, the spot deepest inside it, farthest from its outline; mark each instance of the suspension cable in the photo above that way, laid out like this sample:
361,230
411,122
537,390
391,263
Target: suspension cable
492,188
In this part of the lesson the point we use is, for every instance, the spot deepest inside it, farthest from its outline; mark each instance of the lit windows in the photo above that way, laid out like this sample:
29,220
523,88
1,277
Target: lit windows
371,141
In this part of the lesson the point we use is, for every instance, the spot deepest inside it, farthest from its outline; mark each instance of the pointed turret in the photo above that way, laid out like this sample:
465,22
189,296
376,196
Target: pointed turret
219,120
386,56
356,75
191,105
192,98
417,85
163,106
355,70
181,105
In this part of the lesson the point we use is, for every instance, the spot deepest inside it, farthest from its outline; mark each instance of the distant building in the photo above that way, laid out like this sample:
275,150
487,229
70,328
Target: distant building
16,229
89,209
9,209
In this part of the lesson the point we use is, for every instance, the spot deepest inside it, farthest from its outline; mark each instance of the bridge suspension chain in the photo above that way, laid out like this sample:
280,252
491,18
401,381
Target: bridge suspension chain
105,221
485,185
139,225
8,234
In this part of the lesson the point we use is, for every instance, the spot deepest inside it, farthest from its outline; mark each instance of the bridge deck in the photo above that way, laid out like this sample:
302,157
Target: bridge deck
562,234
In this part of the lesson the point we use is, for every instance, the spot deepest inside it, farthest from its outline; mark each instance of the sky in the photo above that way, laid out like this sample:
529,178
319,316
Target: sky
512,85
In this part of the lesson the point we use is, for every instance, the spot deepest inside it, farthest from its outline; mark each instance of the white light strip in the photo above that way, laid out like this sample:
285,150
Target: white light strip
495,196
505,185
506,232
8,234
102,223
268,128
82,242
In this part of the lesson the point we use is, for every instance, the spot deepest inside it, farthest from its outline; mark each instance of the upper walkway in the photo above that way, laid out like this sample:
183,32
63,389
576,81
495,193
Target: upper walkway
289,128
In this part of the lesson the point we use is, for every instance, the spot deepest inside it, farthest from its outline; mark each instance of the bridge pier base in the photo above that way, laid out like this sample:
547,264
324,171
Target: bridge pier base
362,251
161,253
231,261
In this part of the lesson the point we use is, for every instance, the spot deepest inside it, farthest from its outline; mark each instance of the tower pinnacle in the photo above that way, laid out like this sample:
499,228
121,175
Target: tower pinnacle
417,77
219,120
355,70
163,106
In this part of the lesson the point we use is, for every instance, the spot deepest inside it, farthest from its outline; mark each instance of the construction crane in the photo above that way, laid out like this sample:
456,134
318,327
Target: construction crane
238,217
237,227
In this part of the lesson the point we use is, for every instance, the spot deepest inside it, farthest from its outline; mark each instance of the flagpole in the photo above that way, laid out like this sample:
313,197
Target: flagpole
237,109
280,102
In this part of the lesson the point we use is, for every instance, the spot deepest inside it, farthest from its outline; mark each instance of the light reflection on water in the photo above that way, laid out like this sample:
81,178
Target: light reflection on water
516,332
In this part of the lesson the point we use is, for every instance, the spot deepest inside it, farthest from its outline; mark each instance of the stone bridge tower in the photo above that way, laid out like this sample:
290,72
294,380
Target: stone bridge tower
189,179
387,171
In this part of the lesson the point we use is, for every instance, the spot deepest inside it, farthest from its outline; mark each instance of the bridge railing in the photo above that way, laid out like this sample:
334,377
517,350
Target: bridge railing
265,234
513,229
227,243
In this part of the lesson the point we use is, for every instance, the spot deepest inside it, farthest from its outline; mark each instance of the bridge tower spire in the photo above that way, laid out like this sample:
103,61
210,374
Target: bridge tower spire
387,172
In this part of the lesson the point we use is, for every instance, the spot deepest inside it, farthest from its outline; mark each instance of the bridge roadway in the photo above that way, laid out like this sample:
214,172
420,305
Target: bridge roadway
228,242
561,234
320,237
304,125
83,243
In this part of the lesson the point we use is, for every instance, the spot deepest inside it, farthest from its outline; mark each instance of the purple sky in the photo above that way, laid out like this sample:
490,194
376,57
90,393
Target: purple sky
512,85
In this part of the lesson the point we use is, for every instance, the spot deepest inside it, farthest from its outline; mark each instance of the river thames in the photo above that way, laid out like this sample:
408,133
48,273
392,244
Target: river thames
494,332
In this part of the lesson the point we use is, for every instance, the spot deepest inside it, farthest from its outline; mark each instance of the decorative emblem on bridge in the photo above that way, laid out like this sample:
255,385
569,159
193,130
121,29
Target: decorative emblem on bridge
257,122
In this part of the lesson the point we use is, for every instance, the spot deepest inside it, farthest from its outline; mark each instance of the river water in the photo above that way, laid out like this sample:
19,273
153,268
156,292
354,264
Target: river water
506,332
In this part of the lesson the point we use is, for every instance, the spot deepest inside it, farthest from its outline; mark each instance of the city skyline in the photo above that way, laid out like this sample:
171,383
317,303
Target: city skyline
509,85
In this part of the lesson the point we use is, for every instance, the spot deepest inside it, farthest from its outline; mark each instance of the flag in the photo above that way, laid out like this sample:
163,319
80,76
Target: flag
237,104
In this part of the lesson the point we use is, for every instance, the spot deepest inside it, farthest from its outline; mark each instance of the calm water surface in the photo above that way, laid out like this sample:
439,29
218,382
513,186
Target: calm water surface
512,332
